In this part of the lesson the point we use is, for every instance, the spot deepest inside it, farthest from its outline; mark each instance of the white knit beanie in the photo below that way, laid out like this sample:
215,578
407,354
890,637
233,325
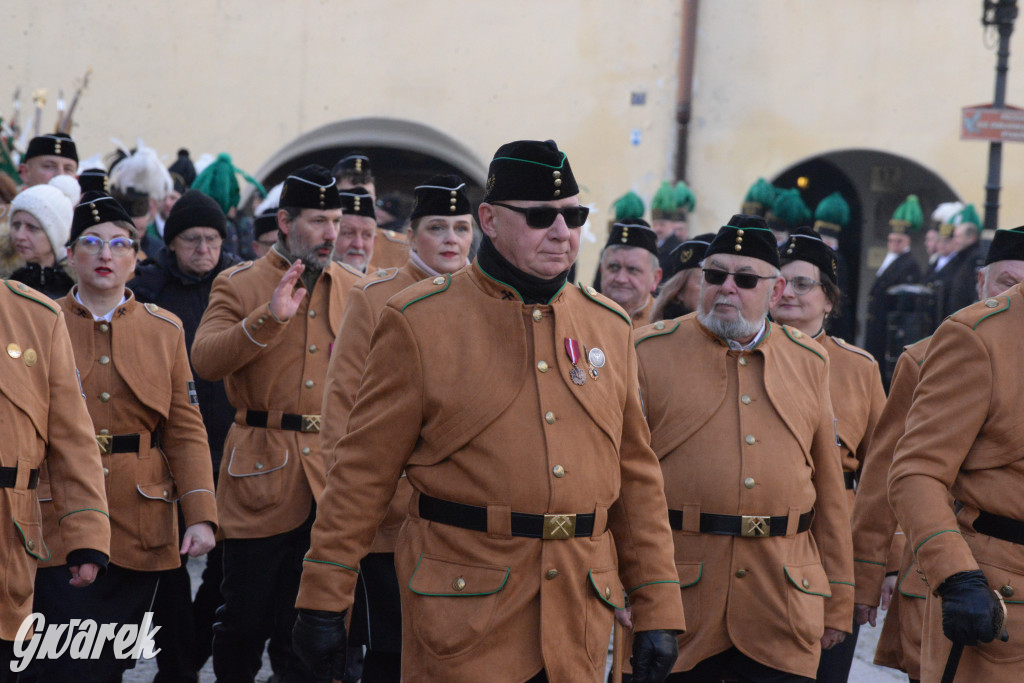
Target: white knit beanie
52,209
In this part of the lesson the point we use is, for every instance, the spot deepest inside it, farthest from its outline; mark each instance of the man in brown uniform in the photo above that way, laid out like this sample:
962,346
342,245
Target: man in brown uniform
751,465
630,271
268,333
509,399
45,421
963,439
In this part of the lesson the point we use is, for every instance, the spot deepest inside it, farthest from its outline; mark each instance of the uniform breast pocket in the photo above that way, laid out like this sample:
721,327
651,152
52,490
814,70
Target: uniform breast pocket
807,589
451,604
158,523
258,478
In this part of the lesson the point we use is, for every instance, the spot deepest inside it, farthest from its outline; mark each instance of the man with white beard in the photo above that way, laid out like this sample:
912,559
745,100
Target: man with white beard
751,465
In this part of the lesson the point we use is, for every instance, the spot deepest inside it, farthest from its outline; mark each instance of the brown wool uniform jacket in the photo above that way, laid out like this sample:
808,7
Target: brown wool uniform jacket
855,385
467,389
753,435
390,250
137,381
874,524
965,436
362,310
44,420
269,476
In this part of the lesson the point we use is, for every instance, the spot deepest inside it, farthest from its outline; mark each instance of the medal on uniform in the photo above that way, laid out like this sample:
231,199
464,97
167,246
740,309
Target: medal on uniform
572,349
596,359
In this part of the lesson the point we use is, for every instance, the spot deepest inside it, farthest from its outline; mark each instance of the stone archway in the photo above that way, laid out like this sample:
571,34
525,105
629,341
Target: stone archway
874,183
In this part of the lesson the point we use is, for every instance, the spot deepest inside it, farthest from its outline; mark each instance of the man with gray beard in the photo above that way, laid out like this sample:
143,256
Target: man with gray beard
752,472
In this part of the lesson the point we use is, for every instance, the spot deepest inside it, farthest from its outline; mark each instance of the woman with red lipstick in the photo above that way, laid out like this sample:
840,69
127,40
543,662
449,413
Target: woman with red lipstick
811,270
138,386
441,228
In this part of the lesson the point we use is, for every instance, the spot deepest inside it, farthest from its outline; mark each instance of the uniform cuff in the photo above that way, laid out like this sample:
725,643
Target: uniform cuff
87,555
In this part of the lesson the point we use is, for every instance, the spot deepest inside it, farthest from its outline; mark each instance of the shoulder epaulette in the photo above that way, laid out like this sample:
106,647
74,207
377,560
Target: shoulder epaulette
596,297
996,304
433,286
381,275
796,336
24,290
658,329
235,270
355,271
843,344
155,311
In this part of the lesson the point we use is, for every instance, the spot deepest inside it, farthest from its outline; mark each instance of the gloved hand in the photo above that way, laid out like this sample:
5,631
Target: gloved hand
971,612
318,639
654,653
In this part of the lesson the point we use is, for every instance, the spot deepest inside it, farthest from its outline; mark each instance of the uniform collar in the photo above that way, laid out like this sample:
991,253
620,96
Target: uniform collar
127,303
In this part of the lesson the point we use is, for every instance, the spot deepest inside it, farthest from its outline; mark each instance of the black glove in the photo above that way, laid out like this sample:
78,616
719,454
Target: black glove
654,653
971,612
318,639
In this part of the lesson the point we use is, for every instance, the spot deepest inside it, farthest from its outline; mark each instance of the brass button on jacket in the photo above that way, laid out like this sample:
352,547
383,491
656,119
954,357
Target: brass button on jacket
459,584
750,439
537,315
551,573
104,360
740,573
542,366
749,482
104,397
558,471
549,417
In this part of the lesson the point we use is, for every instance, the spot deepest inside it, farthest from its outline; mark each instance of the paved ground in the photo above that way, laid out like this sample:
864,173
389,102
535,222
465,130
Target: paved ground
863,670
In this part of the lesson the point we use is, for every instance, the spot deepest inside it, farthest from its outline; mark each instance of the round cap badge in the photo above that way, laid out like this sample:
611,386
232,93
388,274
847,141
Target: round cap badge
596,357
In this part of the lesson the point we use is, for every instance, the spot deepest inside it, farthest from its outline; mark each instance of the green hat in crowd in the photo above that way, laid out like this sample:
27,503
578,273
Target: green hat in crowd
218,181
628,206
789,210
968,214
907,217
664,206
831,215
685,198
759,198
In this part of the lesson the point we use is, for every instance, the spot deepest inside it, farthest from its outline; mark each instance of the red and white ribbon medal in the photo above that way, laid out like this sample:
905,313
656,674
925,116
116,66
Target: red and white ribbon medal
572,349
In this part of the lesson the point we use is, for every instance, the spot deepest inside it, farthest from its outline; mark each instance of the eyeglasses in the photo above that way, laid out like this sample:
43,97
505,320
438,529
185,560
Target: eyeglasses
802,285
713,276
541,217
194,240
119,246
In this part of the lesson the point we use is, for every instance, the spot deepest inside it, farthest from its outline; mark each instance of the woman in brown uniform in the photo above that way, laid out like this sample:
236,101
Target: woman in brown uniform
811,270
441,228
140,395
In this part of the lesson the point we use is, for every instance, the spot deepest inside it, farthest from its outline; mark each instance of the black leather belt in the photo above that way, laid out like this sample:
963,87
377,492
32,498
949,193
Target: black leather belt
474,517
124,443
9,477
850,478
997,526
307,424
749,526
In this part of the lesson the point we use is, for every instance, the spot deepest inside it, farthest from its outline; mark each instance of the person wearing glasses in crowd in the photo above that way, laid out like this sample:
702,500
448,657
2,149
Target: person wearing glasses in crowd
264,228
752,472
811,270
509,399
630,271
179,278
441,226
141,397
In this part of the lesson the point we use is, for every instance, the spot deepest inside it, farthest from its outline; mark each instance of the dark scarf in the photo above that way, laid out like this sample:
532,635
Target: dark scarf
534,290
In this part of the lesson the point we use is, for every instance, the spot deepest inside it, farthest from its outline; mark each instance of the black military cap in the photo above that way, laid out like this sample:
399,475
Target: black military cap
356,201
182,170
746,236
442,195
633,232
1007,245
265,222
94,180
530,170
95,208
55,144
310,187
356,162
804,244
691,252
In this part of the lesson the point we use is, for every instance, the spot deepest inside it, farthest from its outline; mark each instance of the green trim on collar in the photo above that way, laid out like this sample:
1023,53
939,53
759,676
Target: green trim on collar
503,284
767,329
793,339
601,303
447,282
986,317
20,292
657,333
336,564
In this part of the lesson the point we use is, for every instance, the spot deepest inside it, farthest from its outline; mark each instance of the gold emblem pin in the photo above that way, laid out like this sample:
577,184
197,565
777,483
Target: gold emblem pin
30,357
14,351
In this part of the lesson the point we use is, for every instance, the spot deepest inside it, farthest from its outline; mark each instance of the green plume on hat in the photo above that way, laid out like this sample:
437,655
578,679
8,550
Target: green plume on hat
628,206
908,216
968,214
789,209
664,199
759,198
832,213
218,182
684,196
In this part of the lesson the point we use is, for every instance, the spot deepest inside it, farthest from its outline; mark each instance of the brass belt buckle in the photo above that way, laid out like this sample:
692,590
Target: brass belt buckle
106,442
755,526
310,424
559,527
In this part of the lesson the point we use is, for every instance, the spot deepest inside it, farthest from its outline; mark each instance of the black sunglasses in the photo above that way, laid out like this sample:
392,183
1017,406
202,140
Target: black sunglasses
541,217
713,276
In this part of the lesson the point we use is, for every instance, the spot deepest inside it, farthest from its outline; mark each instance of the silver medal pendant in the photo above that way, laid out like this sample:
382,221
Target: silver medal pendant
577,376
596,357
